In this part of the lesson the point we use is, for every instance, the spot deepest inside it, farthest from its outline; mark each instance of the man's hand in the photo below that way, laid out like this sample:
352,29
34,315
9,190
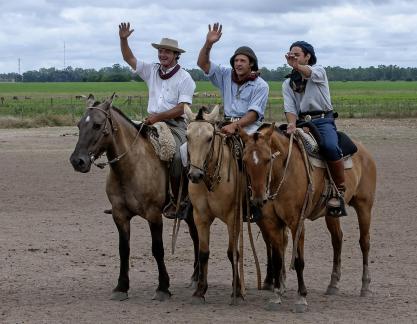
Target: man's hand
151,119
124,30
229,129
292,60
214,34
291,128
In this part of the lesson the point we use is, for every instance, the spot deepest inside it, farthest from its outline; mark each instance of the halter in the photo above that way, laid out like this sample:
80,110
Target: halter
105,133
215,178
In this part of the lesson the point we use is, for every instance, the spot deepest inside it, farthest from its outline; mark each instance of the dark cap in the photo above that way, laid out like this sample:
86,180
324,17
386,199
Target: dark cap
247,51
307,48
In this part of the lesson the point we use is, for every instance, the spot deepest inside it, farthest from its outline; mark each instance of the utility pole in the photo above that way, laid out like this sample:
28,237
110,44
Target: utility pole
18,65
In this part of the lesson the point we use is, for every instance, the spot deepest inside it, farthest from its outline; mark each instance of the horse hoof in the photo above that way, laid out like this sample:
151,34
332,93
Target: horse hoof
161,295
267,286
300,308
366,292
332,290
197,300
239,300
273,305
119,295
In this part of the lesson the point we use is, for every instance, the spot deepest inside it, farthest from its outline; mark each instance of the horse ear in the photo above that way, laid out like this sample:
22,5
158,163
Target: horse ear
188,113
269,132
242,133
213,116
90,100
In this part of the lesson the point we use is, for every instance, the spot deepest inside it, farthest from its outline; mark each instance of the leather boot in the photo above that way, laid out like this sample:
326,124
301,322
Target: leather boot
336,205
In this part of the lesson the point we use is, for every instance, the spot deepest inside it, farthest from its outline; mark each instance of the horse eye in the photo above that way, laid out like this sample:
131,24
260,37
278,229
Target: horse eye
209,139
96,126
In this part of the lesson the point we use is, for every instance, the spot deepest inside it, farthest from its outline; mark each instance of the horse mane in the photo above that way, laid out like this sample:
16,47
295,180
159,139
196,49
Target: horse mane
200,115
137,126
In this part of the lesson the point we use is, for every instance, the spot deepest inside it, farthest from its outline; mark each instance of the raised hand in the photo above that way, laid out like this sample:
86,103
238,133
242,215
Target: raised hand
292,60
214,34
124,30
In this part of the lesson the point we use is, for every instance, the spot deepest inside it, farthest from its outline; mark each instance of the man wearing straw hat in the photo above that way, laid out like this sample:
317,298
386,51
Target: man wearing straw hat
170,87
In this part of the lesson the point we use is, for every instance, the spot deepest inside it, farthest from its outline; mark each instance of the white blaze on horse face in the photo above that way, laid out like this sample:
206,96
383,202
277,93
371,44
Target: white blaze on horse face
87,119
255,158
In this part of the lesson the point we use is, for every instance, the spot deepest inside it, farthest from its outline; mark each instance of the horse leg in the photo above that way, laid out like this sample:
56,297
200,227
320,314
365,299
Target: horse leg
203,229
363,210
162,292
333,225
233,235
194,236
301,303
269,279
123,226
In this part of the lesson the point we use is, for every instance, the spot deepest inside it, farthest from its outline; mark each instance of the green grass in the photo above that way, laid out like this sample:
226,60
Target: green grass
45,101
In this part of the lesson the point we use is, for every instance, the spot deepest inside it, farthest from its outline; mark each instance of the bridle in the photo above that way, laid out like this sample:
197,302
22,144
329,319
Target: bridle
211,179
106,132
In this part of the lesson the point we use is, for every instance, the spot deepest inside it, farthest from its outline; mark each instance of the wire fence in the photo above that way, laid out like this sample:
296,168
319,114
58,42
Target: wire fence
136,107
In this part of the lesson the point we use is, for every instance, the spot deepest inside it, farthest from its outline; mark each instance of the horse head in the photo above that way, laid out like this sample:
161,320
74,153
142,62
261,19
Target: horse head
94,129
200,138
258,160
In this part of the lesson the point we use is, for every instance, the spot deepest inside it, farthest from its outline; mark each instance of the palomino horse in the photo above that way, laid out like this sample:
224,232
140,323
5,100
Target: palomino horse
215,190
286,185
136,184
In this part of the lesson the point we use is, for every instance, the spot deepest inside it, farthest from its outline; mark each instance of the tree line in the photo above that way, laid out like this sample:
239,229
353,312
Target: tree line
117,73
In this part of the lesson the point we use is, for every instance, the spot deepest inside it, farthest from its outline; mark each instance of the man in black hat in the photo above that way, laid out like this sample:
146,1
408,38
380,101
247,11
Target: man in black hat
307,97
244,92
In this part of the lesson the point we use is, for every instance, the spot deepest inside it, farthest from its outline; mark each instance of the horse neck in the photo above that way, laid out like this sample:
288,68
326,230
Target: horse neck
219,151
126,138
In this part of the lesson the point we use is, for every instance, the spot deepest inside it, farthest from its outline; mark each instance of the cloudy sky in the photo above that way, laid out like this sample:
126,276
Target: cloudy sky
347,33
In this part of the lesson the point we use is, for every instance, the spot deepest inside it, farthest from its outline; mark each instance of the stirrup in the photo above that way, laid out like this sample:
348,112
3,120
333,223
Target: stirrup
169,211
336,206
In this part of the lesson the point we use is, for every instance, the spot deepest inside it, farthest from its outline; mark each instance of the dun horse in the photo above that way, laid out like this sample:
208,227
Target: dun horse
136,184
215,190
265,157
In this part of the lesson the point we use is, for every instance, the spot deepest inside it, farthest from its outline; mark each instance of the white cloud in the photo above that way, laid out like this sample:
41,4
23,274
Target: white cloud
345,33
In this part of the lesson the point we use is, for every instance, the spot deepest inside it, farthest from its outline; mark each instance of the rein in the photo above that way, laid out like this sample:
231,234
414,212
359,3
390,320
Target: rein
105,133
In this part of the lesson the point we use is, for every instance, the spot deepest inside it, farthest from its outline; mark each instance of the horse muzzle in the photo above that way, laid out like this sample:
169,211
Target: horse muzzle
80,163
195,175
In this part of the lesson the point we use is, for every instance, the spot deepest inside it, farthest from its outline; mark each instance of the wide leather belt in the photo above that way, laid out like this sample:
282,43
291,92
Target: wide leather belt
308,117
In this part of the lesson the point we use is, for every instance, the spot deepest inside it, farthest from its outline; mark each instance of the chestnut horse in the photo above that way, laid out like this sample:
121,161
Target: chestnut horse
136,184
282,189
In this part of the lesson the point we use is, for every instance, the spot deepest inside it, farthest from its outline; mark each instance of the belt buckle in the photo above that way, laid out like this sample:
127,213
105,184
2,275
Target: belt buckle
307,117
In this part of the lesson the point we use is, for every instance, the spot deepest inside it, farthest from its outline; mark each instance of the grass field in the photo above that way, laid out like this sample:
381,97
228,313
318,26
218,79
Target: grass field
59,103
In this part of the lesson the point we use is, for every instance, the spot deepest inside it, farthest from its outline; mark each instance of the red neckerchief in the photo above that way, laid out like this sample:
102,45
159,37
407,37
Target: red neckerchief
251,77
165,76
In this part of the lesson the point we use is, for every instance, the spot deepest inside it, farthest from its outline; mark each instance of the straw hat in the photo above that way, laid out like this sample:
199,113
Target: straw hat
168,43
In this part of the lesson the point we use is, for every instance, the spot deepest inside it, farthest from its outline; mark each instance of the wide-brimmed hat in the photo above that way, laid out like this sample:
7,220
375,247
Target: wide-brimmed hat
247,51
168,43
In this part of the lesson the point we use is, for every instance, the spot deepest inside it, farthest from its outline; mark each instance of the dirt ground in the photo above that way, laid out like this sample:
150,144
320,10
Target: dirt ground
59,252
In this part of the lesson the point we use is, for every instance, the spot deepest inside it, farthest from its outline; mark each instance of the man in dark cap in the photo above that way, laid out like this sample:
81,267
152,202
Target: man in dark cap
244,92
307,97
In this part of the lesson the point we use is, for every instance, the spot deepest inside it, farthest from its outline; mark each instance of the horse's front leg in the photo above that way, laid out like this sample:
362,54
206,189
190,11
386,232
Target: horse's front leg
122,221
301,303
194,236
203,229
333,225
233,240
162,292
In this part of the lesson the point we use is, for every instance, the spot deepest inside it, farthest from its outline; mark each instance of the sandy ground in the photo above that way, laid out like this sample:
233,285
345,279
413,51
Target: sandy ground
59,252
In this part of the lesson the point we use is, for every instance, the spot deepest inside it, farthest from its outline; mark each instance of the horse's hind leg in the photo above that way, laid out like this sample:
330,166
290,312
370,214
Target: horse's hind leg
363,209
162,292
194,236
333,225
123,226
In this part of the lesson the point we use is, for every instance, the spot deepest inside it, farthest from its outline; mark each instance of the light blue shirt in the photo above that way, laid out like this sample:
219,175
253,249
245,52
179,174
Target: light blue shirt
237,101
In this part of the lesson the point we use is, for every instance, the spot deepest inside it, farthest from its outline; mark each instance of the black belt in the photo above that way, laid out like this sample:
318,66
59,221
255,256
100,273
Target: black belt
315,115
231,119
